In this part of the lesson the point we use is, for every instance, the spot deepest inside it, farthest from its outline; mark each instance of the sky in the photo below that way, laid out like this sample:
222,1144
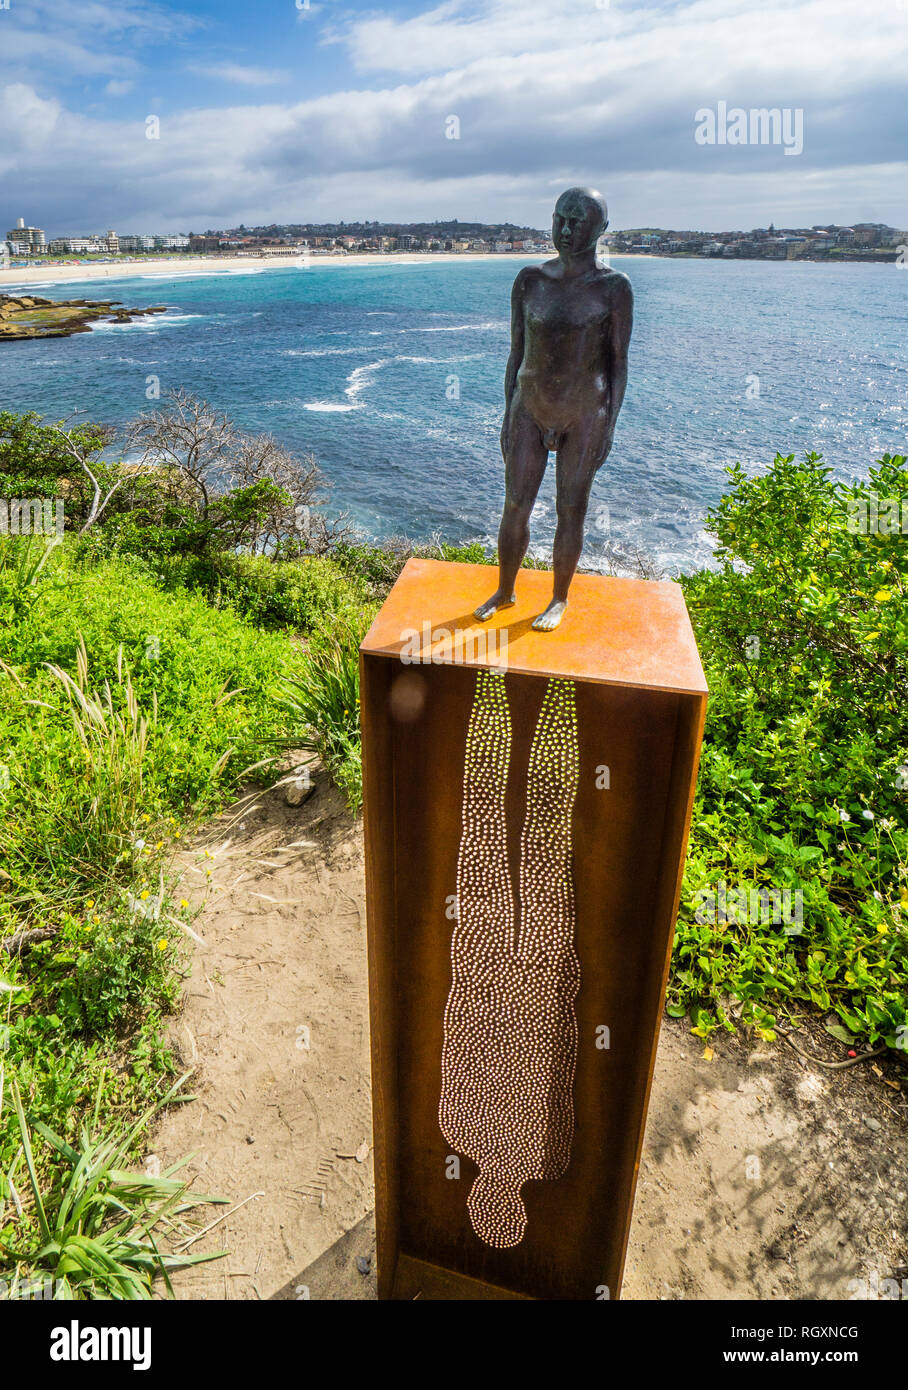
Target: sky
287,111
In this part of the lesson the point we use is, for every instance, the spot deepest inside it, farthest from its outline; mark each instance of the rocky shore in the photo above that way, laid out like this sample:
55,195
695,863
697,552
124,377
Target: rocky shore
28,316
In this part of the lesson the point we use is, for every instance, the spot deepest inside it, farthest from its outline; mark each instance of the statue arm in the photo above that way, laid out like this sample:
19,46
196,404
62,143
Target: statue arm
618,337
515,356
517,331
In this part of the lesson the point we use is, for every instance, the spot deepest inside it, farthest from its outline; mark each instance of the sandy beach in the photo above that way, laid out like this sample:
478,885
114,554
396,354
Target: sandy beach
230,265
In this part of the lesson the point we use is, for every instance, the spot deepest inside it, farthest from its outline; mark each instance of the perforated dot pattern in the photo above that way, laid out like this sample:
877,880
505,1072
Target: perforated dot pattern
510,1032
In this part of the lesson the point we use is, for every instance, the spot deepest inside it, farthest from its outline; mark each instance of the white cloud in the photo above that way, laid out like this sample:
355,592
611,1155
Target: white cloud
547,91
29,121
242,76
48,41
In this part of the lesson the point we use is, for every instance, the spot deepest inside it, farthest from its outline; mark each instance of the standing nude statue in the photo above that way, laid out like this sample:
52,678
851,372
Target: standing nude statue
571,324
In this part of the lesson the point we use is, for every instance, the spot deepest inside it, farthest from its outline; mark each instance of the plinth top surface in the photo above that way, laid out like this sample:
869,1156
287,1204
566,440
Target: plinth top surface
632,632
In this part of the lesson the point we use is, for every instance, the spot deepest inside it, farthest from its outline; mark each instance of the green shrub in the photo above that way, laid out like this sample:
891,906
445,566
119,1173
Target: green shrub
35,463
804,636
304,595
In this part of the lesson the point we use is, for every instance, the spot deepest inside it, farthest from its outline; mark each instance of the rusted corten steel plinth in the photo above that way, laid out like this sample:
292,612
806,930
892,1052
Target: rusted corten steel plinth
527,804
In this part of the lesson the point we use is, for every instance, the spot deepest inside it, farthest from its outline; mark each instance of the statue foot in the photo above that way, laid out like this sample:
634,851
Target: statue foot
498,600
549,620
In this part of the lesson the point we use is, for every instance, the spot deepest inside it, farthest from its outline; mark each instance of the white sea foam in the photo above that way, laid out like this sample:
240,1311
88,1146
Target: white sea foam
199,274
149,324
321,352
457,327
361,378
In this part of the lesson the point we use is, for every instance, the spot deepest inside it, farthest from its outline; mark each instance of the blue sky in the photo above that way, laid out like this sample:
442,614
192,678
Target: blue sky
271,111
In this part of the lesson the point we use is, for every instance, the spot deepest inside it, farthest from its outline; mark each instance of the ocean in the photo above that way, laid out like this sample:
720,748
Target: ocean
391,376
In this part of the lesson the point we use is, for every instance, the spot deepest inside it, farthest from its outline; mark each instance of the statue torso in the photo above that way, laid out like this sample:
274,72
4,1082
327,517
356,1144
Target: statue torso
564,368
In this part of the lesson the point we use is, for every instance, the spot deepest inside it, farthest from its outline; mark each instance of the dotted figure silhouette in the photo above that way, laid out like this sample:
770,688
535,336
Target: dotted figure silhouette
510,1032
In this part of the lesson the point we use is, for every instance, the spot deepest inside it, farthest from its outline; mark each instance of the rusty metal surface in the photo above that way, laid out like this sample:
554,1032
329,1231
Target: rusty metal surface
632,632
628,842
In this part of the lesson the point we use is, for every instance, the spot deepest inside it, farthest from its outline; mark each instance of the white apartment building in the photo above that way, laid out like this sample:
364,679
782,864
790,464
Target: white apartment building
79,245
26,241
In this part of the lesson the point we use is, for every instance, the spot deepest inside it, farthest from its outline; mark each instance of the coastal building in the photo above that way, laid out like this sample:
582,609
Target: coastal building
130,242
26,241
79,245
113,243
875,234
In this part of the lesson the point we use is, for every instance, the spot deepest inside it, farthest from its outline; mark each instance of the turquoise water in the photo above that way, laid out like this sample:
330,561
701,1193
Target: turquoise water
391,375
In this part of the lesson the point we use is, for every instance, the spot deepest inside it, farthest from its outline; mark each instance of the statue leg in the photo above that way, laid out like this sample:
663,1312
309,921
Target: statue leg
525,458
582,452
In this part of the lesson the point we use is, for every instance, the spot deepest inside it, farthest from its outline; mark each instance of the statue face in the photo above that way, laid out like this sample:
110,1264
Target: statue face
578,222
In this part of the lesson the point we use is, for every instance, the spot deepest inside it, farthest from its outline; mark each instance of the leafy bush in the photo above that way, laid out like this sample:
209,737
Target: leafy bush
804,636
35,463
304,595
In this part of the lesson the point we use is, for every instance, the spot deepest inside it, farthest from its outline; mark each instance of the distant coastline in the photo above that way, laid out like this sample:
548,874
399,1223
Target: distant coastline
179,267
235,265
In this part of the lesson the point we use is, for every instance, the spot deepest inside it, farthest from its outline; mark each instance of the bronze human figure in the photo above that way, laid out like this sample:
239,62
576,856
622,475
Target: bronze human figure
571,324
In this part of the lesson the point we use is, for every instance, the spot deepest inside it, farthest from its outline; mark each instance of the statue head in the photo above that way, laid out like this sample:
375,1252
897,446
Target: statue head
581,216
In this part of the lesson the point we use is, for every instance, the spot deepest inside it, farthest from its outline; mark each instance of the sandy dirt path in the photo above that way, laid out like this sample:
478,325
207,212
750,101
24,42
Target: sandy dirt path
763,1176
